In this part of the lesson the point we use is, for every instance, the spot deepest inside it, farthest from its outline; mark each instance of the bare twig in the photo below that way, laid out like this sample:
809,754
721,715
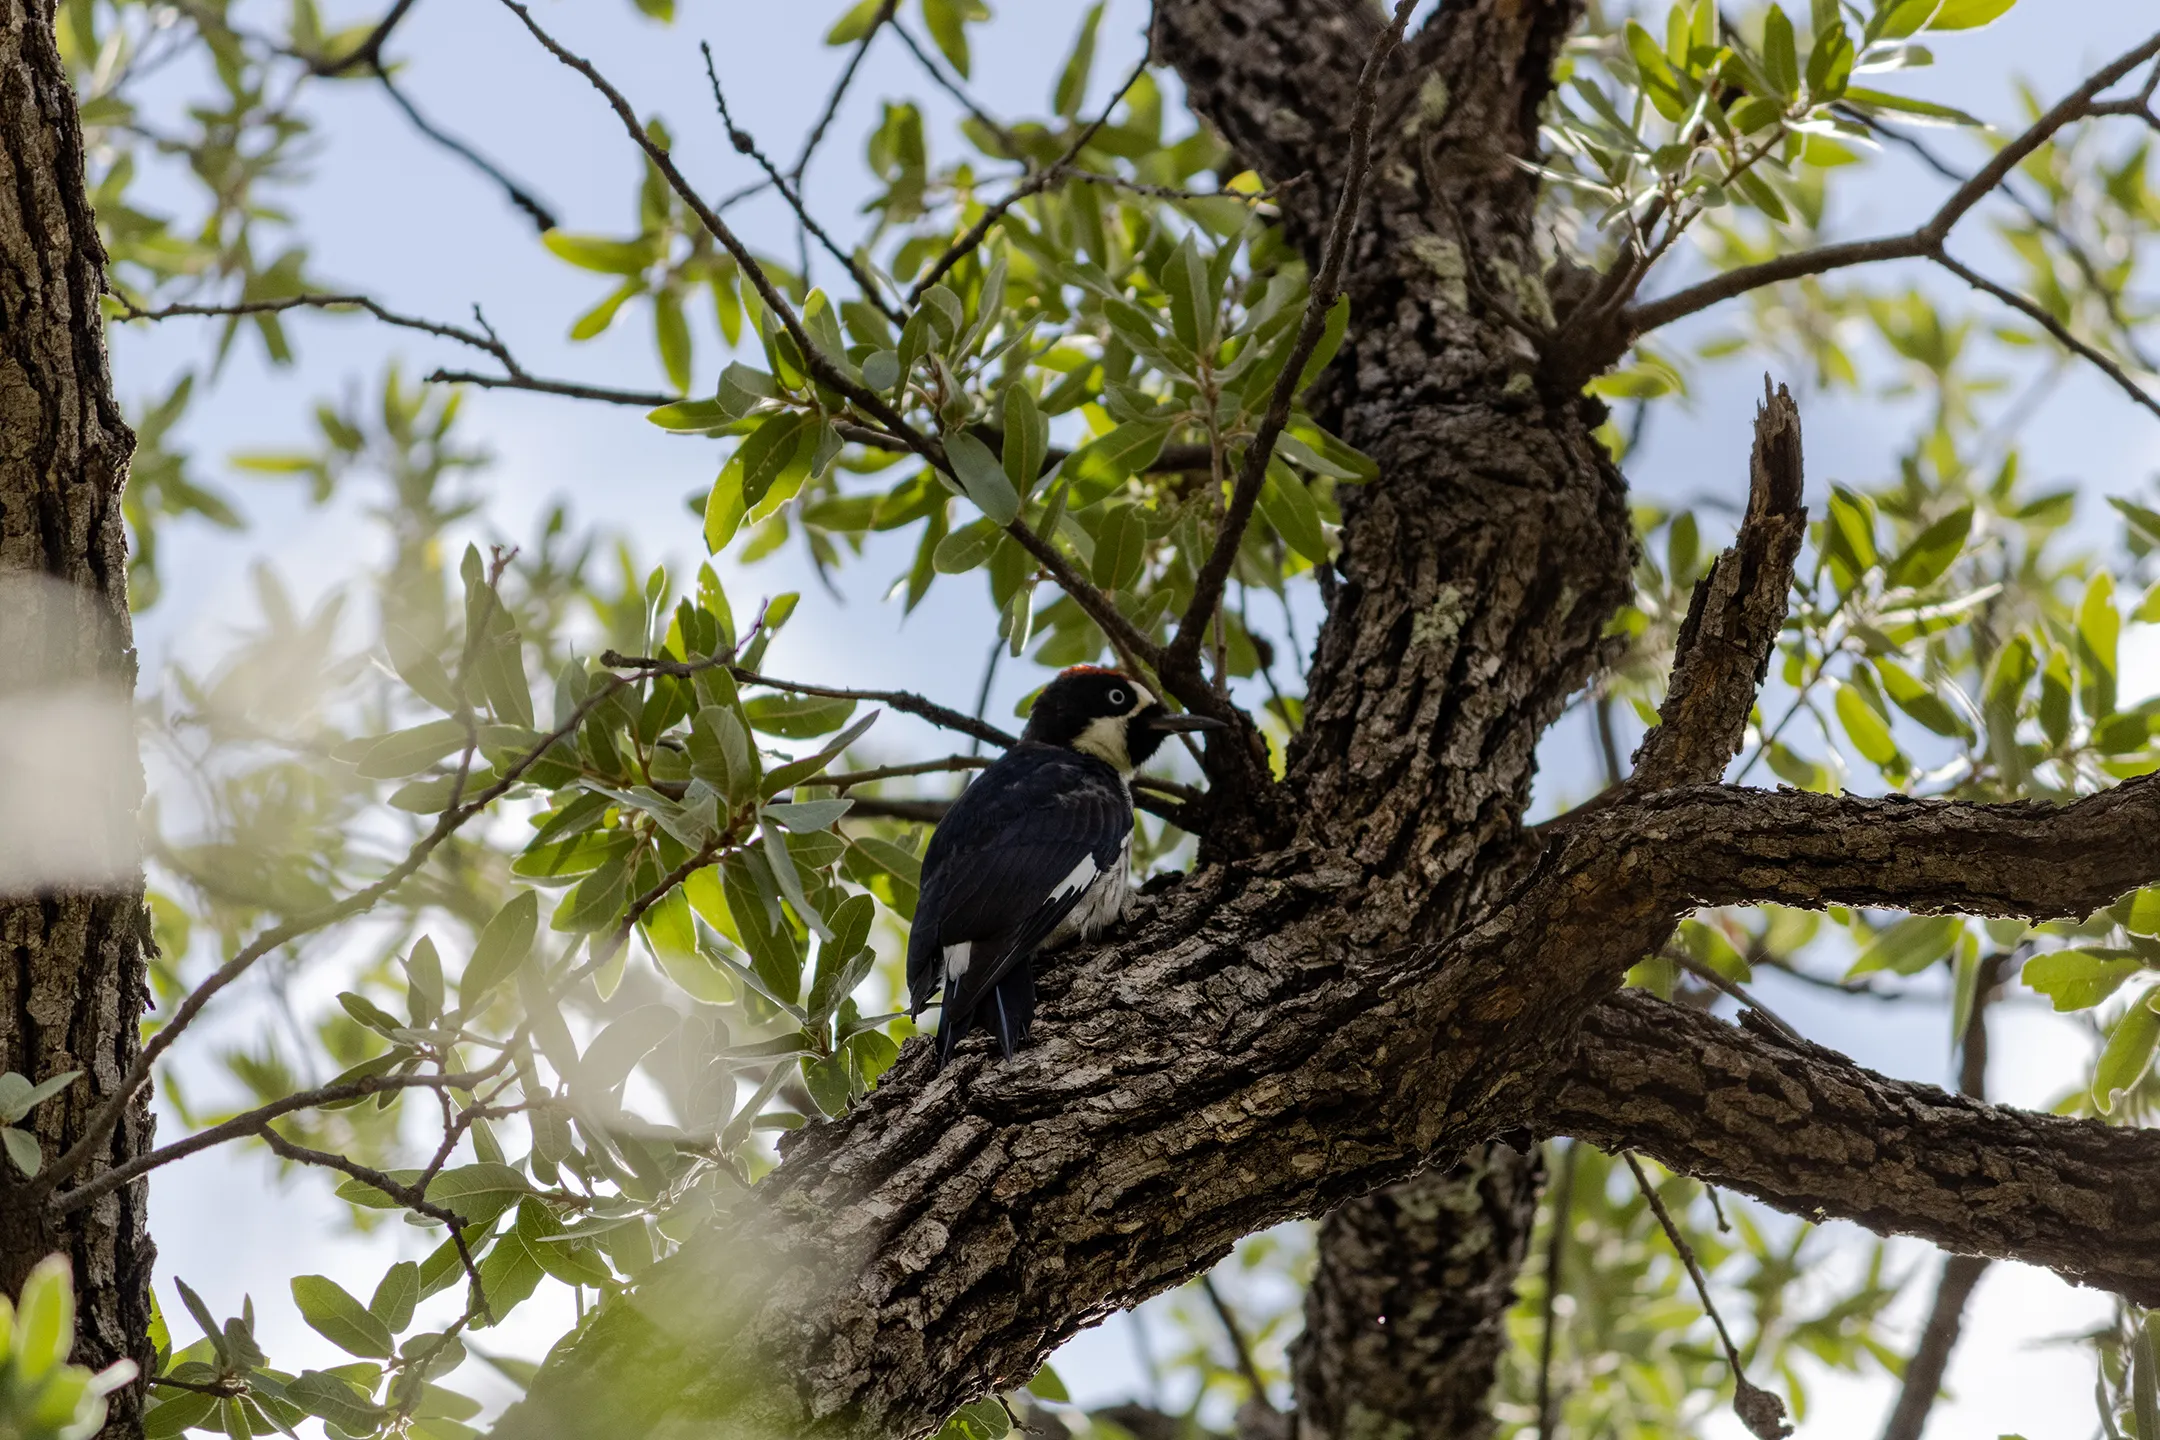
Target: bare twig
242,1126
1762,1412
746,144
478,341
1041,180
1180,661
2054,327
570,389
1239,1345
951,764
952,87
839,92
1556,1234
542,217
1709,976
407,1195
1924,242
905,701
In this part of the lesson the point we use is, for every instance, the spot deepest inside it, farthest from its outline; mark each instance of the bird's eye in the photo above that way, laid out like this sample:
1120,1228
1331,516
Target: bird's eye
1117,697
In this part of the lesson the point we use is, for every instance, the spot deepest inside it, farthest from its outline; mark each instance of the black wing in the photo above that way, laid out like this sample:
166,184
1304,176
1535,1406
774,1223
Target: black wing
1008,862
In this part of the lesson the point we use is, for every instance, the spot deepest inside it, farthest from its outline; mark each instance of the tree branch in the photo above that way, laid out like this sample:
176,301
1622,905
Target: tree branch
1733,617
2039,316
1804,1129
542,217
1924,242
1180,662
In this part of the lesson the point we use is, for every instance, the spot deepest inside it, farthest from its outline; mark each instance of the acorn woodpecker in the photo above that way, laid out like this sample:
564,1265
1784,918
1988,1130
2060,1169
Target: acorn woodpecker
1037,851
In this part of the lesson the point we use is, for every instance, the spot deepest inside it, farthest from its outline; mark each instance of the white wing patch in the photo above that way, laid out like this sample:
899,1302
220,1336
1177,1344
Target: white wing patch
1082,876
956,963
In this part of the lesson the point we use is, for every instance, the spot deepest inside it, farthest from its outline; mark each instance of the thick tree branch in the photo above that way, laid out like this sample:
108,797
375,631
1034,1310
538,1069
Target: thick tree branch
1733,618
1804,1129
1926,241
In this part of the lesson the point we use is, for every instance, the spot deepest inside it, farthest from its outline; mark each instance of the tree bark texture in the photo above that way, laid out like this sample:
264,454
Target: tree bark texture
1403,1323
1383,969
72,986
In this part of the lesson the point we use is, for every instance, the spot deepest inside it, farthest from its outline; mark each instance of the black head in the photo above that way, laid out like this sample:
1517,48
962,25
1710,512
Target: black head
1107,714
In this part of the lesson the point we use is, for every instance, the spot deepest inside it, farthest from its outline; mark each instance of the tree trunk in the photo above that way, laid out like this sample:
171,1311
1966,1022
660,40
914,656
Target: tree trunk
74,932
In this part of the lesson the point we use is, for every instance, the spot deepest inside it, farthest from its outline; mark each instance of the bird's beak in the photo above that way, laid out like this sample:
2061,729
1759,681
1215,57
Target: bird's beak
1172,724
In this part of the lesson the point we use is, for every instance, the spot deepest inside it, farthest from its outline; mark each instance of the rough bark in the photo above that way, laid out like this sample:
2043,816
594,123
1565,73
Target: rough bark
1804,1129
1404,978
71,960
1403,1323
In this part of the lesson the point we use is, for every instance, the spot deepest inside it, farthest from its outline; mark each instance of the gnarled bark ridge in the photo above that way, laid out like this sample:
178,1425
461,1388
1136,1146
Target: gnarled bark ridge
72,958
1411,973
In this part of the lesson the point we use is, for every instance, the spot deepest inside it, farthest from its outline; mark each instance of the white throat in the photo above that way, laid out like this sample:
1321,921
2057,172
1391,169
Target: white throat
1104,737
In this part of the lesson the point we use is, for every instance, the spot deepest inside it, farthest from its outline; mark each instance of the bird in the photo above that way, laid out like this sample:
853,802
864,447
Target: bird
1037,851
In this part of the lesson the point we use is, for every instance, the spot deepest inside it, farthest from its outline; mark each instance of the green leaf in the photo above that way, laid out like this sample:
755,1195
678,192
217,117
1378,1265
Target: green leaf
1969,14
2139,912
334,1400
1331,338
794,772
1780,57
671,336
1110,459
945,21
617,1049
1072,81
967,547
692,417
570,1261
2080,979
1915,698
1830,64
808,816
503,946
407,752
395,1297
797,717
1923,110
336,1316
18,1097
1027,435
1869,735
1932,551
769,450
1291,509
2128,1053
2099,628
509,1274
855,23
477,1193
982,477
1120,547
2145,1375
725,506
597,252
1910,945
22,1148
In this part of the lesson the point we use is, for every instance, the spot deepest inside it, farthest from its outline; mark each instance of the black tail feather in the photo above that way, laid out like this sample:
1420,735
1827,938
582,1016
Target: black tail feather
1007,1012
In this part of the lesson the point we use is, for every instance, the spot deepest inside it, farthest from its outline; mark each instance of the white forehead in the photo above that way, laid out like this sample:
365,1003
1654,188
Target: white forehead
1142,698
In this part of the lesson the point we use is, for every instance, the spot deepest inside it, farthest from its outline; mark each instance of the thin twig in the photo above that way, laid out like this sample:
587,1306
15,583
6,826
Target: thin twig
1239,1345
952,87
746,144
542,217
1180,660
1925,241
242,1126
607,395
1711,977
839,92
407,1195
1762,1412
950,764
2053,326
368,51
1556,1234
130,311
1041,180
